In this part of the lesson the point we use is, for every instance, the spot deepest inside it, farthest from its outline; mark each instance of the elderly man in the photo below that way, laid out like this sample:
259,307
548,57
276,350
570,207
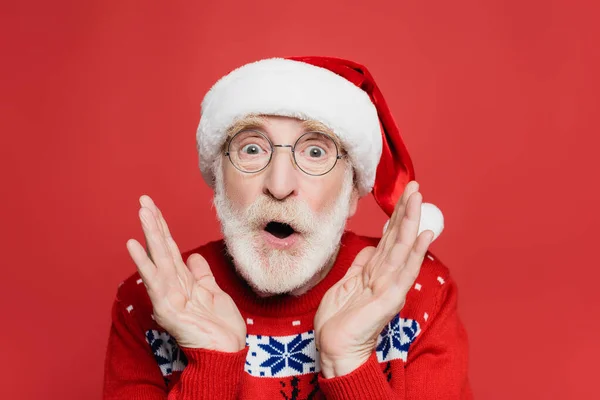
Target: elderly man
289,305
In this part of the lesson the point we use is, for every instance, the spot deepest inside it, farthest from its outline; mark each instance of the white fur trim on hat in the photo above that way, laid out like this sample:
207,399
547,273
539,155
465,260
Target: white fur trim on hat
431,219
293,89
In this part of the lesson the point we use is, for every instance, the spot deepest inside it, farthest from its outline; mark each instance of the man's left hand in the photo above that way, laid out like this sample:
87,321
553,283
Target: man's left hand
355,310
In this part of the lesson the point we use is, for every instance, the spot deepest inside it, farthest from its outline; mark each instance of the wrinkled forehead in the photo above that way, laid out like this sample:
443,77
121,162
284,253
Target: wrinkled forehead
279,128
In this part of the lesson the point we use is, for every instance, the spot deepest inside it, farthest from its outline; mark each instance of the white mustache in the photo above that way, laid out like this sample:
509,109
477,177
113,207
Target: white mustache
295,213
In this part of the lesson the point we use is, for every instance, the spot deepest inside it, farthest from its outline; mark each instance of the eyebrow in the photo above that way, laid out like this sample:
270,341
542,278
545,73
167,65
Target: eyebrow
248,122
258,122
315,126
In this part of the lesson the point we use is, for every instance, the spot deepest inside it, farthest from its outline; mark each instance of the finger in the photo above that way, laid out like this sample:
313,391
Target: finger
407,233
180,266
182,273
400,209
147,249
407,275
400,242
360,261
147,205
391,288
201,272
389,236
198,266
364,256
144,265
157,245
146,201
145,238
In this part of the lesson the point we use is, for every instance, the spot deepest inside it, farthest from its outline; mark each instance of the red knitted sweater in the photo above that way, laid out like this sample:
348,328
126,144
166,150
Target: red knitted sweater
421,354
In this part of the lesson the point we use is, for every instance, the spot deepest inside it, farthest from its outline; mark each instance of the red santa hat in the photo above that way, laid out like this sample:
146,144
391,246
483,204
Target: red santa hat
342,95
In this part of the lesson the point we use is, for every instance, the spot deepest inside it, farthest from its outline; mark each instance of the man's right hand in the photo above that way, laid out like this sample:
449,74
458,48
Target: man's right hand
187,301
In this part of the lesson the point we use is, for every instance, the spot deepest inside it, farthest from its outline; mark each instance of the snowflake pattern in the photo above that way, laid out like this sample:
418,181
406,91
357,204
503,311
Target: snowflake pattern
285,356
167,354
395,339
281,356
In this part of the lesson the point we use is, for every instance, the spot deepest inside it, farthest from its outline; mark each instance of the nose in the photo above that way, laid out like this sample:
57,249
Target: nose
281,179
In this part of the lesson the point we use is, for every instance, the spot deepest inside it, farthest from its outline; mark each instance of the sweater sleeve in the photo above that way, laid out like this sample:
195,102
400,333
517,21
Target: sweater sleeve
210,375
130,370
436,367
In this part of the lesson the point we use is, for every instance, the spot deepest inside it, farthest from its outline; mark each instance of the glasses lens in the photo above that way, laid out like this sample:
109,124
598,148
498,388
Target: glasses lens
249,151
316,153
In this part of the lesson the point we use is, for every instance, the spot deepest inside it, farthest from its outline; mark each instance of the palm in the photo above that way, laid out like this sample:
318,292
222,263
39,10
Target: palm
356,309
187,301
349,310
197,305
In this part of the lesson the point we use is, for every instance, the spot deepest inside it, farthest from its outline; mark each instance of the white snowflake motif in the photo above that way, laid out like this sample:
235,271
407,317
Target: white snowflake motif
395,339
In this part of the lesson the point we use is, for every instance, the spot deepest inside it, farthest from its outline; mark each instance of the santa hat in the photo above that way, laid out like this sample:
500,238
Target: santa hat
342,95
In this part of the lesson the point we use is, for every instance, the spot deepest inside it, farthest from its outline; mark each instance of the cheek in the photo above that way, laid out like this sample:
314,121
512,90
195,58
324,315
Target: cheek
321,193
241,189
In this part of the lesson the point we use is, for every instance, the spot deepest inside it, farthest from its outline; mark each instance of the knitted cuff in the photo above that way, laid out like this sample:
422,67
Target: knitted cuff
212,374
365,382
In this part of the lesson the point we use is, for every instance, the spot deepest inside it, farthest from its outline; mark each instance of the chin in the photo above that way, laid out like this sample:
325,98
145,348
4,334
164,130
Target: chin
273,269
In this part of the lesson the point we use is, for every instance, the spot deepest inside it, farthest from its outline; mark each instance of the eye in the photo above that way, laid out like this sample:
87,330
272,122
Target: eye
315,152
252,149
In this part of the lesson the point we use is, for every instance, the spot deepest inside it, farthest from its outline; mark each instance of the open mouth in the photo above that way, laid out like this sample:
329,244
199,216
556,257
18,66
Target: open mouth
280,230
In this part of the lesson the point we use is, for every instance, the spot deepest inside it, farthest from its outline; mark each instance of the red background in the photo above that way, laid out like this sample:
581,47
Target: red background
497,101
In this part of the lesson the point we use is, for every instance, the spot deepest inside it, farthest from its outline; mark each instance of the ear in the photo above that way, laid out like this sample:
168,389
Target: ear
216,168
353,202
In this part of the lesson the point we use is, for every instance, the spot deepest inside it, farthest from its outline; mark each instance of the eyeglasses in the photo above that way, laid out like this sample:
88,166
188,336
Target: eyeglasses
315,153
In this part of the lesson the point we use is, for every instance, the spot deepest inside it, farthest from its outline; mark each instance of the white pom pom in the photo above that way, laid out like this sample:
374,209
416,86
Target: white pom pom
431,219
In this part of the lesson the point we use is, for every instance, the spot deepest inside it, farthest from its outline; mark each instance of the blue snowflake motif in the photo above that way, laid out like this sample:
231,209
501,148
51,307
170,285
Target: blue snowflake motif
398,334
167,354
283,355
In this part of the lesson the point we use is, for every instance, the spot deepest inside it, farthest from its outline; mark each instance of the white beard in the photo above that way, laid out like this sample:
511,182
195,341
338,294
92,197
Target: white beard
273,271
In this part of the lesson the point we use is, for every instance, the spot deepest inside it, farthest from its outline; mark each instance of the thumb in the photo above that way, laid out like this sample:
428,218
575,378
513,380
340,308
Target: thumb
199,267
202,274
361,259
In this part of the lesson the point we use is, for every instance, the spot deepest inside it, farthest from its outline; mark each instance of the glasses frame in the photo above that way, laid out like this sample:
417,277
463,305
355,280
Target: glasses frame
290,146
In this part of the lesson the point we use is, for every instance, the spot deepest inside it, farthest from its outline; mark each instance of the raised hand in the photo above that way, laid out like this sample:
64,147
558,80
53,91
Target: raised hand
356,309
187,301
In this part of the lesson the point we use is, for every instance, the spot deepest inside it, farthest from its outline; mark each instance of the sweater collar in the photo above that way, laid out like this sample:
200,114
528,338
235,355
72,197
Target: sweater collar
247,301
